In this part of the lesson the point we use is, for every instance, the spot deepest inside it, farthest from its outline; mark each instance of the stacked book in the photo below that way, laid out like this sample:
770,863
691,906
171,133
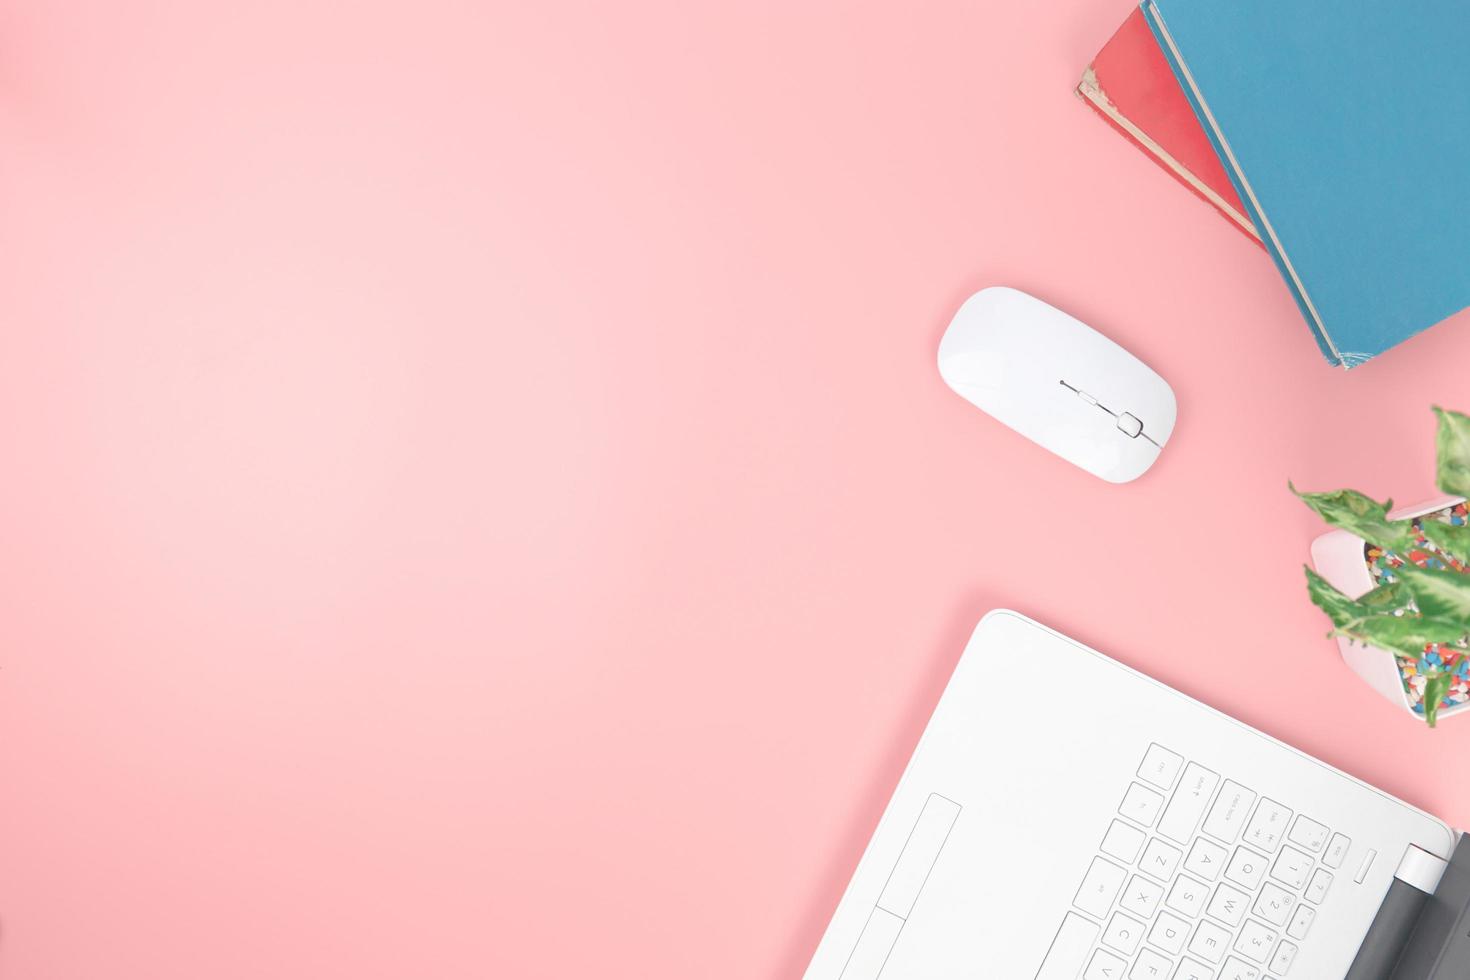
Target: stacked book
1336,133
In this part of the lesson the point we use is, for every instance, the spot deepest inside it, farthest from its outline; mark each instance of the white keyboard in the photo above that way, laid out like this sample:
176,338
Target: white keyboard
1197,878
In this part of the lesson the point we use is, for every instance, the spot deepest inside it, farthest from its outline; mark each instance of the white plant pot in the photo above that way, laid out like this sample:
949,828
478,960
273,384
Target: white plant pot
1338,558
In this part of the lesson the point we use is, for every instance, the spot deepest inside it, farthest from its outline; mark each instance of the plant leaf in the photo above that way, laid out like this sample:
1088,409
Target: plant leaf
1435,688
1338,607
1386,598
1448,538
1452,447
1408,635
1437,594
1359,514
1377,623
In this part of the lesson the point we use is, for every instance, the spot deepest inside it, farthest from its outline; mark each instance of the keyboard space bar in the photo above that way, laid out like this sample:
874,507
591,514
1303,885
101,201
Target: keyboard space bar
1064,959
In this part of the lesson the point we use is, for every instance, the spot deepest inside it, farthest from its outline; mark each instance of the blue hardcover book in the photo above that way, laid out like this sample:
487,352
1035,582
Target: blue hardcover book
1345,126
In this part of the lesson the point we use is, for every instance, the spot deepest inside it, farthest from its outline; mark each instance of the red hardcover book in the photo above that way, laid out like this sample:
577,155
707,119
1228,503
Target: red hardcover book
1131,85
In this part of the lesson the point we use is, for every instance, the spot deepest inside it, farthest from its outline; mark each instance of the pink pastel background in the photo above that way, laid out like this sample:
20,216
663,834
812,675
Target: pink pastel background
478,500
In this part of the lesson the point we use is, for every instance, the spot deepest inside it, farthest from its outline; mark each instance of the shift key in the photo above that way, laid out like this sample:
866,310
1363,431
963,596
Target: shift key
1188,804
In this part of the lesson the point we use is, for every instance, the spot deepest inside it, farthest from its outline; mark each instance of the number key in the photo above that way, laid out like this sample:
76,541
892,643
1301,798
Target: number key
1317,888
1274,904
1301,922
1291,868
1238,969
1281,962
1308,833
1255,941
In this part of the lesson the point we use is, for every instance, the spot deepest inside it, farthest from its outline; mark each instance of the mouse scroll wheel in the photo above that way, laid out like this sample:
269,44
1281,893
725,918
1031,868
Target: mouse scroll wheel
1129,425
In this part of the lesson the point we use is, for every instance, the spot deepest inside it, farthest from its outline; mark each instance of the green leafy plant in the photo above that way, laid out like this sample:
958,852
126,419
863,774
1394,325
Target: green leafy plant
1421,609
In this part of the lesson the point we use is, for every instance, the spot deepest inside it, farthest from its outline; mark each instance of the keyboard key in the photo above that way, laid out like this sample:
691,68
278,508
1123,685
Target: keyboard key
1317,887
1301,921
1190,970
1142,897
1206,859
1150,966
1255,941
1216,849
1229,905
1105,966
1210,942
1099,888
1123,933
1274,904
1188,803
1159,859
1187,896
1123,841
1071,944
1238,969
1169,933
1141,804
1308,834
1246,868
1285,956
1267,826
1228,814
1160,766
1291,868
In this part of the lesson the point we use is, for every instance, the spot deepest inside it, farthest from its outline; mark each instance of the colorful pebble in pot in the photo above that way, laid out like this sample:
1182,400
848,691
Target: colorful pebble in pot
1436,656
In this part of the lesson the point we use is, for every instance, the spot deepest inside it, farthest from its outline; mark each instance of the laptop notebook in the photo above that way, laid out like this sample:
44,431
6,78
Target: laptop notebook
1134,834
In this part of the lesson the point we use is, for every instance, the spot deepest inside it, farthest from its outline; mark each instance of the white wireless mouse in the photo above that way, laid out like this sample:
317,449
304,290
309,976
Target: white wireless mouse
1058,382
